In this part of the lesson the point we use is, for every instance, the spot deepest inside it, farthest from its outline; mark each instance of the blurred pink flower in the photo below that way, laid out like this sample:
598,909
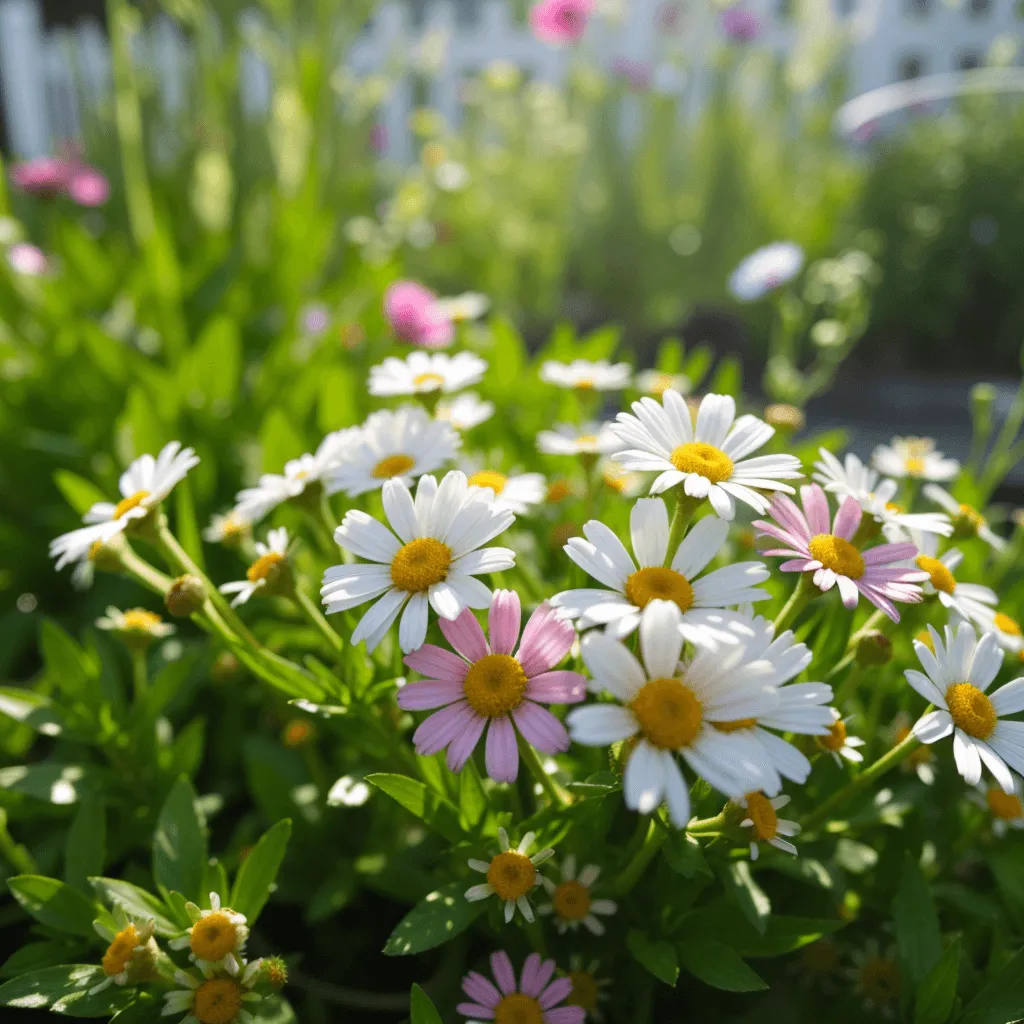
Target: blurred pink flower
741,25
636,73
27,259
416,317
88,187
560,21
378,138
54,176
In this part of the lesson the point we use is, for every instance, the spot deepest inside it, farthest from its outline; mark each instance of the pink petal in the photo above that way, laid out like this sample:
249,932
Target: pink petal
787,537
465,635
787,514
460,748
437,663
536,974
557,687
879,600
540,728
429,694
480,989
564,1015
501,753
436,732
847,518
474,1012
889,553
555,992
799,564
504,620
816,507
501,968
546,641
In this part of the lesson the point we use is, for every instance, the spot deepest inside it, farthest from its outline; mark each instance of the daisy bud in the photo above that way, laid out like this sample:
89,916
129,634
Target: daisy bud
874,648
274,970
783,416
186,596
106,556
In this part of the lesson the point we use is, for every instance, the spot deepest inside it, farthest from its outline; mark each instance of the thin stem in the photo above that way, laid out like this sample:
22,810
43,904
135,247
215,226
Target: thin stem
846,688
802,593
316,617
681,516
707,826
555,793
876,619
142,572
633,871
140,674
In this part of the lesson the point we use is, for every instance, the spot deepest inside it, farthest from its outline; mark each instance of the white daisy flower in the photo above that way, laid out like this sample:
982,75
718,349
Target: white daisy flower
422,372
572,903
207,996
839,743
710,459
460,308
136,625
143,485
586,439
400,444
517,492
511,875
1006,630
765,825
216,940
700,599
967,521
657,382
956,680
1006,809
584,375
671,709
435,557
766,269
273,489
876,979
851,477
465,411
620,480
131,954
227,528
588,989
970,601
915,457
267,573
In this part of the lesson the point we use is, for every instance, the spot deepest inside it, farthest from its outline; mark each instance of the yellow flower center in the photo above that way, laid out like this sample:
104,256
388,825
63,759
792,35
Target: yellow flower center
518,1009
420,564
119,953
880,980
586,439
1006,625
559,490
821,957
263,566
490,478
141,621
94,549
511,875
837,554
669,714
703,459
428,381
495,685
914,466
571,901
232,527
217,1001
971,710
736,725
941,578
584,383
132,501
835,739
661,384
762,814
213,936
584,992
646,585
926,638
616,481
1002,805
392,465
892,506
970,518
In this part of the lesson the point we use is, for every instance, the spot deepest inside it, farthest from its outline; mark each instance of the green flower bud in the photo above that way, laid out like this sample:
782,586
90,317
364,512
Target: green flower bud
186,596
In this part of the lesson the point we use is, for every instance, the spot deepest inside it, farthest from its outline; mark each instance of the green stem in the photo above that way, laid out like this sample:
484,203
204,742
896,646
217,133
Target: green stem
802,593
707,826
681,516
555,793
142,572
140,675
633,871
846,688
316,617
873,621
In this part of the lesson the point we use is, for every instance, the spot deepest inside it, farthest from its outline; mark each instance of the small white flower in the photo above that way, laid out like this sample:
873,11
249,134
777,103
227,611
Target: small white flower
226,528
400,444
216,940
572,903
967,521
265,572
511,875
517,492
766,269
135,621
586,439
657,382
839,743
708,459
765,825
584,375
422,372
620,480
465,411
434,559
1005,809
131,953
207,995
956,680
460,308
970,601
914,457
1006,630
700,599
143,485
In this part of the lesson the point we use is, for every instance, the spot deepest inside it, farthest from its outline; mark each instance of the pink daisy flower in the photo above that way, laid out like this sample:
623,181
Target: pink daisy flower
44,176
536,998
560,21
829,552
416,316
490,688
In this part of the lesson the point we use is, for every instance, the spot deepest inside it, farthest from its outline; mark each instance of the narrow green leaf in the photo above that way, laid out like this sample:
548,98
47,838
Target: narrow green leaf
79,493
684,856
656,955
422,1009
32,709
255,879
56,783
136,902
280,441
718,965
472,798
53,903
749,896
145,1008
1001,1001
34,956
937,993
66,664
438,813
65,990
179,843
338,399
86,847
186,525
444,914
917,925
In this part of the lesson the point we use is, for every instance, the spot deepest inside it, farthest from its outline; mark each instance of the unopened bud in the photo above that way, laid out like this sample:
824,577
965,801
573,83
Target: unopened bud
874,648
186,596
784,416
105,556
274,970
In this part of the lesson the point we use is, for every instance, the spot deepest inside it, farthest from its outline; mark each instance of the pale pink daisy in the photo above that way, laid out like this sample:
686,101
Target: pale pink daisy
416,316
560,21
812,545
535,998
491,688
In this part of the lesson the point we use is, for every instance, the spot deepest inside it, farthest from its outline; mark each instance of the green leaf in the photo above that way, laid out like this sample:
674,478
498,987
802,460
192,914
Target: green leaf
1005,862
1002,1000
437,812
34,956
211,371
444,914
185,523
749,896
54,904
79,493
718,965
146,1008
67,665
338,399
917,925
656,955
472,798
179,843
255,879
937,993
728,378
280,440
65,990
56,783
32,709
86,846
136,902
422,1010
684,856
